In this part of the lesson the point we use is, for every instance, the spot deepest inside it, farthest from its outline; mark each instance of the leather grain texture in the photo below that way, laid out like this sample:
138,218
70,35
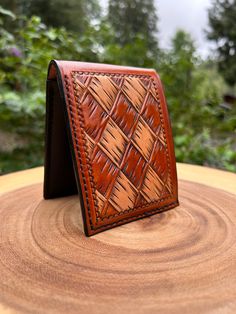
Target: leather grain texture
120,140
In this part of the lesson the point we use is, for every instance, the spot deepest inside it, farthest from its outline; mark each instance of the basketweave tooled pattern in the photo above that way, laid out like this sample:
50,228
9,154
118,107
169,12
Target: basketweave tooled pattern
125,139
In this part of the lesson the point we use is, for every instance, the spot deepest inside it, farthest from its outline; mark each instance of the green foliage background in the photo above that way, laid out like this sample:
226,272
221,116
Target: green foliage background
204,133
222,31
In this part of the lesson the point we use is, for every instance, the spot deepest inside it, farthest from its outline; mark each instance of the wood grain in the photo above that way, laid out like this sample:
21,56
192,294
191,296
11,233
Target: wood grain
180,261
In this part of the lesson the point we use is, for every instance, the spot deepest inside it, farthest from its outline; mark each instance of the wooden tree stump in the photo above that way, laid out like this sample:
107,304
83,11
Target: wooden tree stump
180,261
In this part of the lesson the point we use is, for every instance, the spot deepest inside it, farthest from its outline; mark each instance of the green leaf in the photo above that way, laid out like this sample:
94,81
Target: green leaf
7,13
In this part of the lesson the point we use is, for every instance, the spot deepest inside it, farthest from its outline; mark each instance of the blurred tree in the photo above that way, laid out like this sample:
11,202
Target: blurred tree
193,90
132,19
177,69
15,6
74,15
24,56
222,17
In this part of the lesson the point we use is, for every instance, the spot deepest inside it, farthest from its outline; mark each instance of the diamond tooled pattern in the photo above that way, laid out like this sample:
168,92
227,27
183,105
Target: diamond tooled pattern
125,141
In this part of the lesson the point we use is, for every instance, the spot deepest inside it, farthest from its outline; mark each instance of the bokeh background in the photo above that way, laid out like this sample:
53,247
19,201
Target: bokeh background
195,55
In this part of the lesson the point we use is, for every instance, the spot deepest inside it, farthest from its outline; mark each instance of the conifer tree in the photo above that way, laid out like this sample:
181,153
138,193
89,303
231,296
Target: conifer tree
134,18
222,19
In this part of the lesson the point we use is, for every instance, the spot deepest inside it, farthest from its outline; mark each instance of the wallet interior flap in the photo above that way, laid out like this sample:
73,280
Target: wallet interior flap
59,174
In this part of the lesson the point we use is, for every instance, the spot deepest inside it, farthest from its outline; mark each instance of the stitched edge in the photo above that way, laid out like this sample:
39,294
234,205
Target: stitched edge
67,83
89,166
164,132
145,214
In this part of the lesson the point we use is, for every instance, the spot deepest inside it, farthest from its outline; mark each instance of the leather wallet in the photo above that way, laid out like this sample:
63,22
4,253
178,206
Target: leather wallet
108,138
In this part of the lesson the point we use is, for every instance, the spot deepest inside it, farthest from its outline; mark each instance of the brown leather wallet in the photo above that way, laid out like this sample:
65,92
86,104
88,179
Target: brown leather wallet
108,138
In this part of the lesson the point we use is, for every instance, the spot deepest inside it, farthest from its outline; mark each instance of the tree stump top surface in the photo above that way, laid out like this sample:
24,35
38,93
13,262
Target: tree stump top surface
179,261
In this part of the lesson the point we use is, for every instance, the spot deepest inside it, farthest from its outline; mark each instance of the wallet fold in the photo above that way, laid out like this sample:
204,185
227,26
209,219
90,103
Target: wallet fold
109,139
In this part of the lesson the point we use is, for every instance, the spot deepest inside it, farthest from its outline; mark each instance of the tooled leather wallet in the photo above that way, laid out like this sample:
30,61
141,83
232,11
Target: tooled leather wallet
108,139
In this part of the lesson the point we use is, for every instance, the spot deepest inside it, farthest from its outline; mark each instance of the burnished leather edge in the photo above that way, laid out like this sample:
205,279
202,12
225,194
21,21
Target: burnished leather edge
62,71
